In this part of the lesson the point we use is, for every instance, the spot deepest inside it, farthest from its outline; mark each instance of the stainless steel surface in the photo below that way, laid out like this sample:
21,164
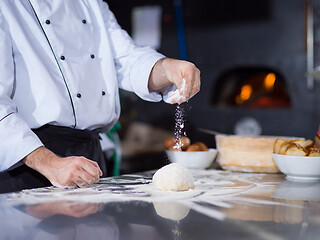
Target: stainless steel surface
310,44
223,205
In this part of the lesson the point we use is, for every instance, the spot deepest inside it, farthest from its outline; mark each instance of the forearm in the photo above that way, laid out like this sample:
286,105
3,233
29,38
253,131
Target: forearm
40,159
63,171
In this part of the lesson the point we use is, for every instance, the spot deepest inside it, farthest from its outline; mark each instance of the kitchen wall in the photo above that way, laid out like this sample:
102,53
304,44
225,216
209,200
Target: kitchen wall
270,34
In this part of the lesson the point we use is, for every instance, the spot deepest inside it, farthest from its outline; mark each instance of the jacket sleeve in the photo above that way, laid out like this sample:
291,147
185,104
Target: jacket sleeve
16,138
133,63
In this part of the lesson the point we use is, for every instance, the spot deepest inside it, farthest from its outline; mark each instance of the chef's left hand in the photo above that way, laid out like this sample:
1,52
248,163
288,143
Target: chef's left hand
168,70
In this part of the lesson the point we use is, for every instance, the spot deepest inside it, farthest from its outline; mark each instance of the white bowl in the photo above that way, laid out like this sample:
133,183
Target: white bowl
193,160
298,168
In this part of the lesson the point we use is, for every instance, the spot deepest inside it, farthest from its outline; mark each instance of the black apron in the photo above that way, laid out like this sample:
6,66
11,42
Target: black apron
64,142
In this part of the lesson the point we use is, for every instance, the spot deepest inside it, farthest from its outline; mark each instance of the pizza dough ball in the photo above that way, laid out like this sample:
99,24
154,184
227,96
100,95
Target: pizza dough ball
173,177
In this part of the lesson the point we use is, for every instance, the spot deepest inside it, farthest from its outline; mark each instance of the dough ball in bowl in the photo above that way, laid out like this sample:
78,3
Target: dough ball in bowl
173,177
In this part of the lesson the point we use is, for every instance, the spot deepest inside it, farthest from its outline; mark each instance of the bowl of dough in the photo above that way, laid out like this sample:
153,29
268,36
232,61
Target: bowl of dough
298,159
194,156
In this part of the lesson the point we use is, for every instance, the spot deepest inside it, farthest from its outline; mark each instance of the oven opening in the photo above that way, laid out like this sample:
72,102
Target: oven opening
251,87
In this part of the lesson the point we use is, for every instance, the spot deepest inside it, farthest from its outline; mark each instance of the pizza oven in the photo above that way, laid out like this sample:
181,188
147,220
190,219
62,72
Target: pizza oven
251,88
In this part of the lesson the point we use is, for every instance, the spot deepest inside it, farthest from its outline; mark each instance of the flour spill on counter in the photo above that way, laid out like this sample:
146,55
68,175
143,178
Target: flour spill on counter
214,191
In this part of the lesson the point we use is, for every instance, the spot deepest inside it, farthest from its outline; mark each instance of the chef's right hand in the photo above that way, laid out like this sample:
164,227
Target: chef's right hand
63,171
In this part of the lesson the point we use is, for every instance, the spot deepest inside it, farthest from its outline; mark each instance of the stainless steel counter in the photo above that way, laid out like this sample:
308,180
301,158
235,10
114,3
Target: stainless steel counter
223,205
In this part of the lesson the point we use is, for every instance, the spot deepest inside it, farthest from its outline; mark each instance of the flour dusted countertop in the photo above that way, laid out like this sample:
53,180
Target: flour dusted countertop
222,205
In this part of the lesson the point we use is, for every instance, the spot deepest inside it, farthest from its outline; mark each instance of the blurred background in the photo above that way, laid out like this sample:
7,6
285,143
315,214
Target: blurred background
258,62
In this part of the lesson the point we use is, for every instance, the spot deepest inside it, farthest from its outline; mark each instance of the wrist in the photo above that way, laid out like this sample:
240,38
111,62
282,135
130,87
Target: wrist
158,78
40,159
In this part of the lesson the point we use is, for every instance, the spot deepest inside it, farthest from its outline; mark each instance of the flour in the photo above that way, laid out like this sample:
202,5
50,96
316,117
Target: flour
179,126
213,192
179,115
60,186
177,95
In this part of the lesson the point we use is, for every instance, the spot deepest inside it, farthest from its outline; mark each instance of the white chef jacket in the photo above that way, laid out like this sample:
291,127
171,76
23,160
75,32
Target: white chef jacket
61,63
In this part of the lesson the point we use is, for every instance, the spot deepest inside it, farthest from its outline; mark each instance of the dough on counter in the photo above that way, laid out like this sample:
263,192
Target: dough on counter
173,177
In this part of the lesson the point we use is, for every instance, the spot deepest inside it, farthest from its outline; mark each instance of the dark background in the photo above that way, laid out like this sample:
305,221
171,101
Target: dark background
223,35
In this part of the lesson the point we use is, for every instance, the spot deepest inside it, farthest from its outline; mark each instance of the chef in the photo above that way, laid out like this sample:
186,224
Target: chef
61,65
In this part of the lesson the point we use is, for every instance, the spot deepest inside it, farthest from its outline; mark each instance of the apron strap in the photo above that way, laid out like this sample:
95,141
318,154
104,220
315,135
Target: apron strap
49,132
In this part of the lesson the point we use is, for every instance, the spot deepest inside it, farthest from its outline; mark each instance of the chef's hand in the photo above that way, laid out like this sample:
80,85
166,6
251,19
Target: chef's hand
63,171
185,75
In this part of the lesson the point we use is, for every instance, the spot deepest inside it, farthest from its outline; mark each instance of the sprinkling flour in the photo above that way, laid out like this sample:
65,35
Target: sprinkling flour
179,126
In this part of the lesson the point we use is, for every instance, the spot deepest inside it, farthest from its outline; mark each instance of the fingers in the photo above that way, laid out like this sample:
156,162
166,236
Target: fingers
178,96
196,84
83,182
187,80
74,171
185,93
97,166
84,179
192,77
88,174
92,168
